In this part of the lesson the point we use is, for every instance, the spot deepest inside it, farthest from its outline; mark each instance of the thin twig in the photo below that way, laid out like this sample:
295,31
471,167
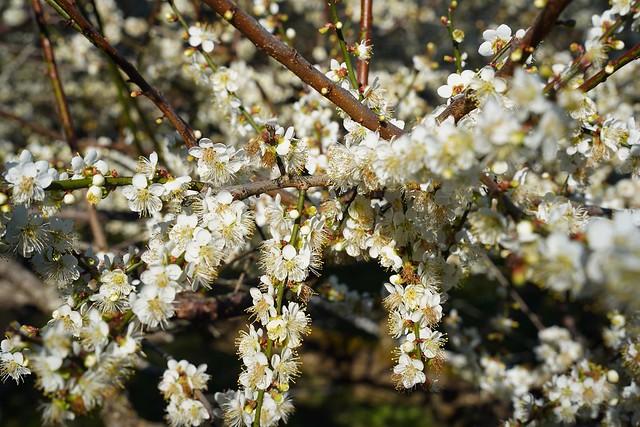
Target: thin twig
583,62
533,317
243,191
541,27
54,76
602,75
198,308
33,126
130,70
99,238
302,68
337,26
450,28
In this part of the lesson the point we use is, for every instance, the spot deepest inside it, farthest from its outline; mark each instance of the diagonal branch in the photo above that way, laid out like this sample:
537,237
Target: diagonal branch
541,27
302,68
32,126
602,75
129,69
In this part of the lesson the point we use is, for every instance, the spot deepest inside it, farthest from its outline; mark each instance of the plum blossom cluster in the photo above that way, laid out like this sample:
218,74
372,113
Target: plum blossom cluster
179,385
566,384
106,306
400,241
73,338
537,185
414,311
268,348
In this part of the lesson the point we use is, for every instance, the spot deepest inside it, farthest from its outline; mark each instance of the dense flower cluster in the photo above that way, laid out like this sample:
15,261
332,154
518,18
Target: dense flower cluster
179,385
536,186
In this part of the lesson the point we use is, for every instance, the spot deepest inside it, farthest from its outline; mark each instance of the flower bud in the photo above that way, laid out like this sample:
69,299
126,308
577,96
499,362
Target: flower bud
407,346
69,199
98,180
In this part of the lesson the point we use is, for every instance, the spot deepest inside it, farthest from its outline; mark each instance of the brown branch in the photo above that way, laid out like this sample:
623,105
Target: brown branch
242,191
33,126
196,307
602,75
99,238
366,17
54,77
130,70
302,68
19,287
541,27
581,63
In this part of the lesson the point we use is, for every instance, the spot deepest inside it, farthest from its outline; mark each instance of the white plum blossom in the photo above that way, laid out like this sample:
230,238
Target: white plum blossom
47,368
486,85
284,140
621,7
202,36
28,179
409,372
90,161
186,412
363,50
217,163
225,80
286,262
179,385
143,198
263,305
456,84
496,40
70,319
257,374
13,365
26,233
163,276
338,71
148,166
561,264
154,305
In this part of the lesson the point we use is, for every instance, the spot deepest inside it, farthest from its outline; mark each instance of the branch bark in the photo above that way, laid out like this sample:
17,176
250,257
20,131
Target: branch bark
366,17
196,307
302,68
602,75
130,70
541,27
242,191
